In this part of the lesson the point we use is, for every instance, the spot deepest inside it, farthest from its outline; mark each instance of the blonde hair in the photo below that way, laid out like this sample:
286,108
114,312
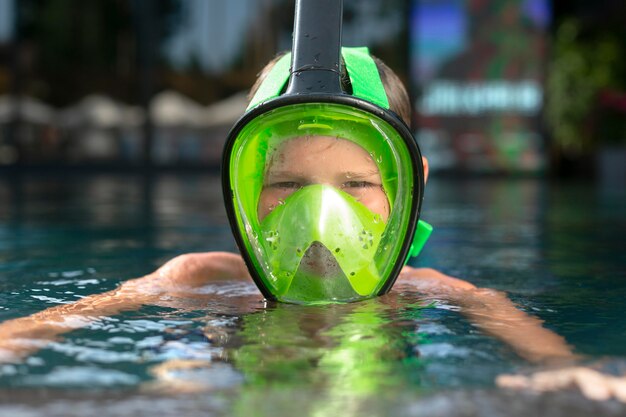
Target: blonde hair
397,95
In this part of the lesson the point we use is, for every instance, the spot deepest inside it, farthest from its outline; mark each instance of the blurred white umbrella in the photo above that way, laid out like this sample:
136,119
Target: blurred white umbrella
31,110
100,111
101,127
224,112
172,109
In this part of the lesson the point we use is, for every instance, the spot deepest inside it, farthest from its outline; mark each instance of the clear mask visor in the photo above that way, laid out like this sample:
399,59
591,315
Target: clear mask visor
323,195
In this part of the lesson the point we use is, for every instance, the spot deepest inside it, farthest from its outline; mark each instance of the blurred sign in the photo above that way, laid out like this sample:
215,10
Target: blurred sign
478,65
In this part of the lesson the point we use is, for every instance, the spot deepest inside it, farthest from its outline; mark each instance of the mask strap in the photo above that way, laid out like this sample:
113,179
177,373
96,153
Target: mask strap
364,76
361,68
274,83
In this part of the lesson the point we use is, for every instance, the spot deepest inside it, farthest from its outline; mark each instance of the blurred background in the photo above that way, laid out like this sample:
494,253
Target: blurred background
498,86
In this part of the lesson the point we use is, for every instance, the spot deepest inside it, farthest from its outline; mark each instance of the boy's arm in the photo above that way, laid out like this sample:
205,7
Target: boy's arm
495,314
178,277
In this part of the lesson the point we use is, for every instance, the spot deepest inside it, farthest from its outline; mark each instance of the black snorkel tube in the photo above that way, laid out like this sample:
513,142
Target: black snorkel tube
315,76
316,52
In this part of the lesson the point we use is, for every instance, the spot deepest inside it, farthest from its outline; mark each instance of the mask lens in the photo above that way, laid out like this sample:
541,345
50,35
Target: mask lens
319,192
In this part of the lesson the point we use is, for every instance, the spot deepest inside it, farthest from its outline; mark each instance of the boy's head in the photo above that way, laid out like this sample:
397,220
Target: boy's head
397,95
325,187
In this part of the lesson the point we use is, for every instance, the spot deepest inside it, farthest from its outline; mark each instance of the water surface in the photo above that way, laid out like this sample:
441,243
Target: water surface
556,249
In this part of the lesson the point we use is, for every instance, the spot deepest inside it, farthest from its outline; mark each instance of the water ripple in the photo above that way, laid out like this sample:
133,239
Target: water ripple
81,377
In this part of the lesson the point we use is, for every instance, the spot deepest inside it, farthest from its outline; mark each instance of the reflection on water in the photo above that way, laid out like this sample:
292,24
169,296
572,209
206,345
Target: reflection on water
557,250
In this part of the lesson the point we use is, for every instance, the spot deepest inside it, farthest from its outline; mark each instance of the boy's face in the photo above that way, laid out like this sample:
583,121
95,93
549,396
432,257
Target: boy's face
325,160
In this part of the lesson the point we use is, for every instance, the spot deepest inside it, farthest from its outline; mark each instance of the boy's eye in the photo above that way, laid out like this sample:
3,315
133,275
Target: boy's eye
288,185
358,184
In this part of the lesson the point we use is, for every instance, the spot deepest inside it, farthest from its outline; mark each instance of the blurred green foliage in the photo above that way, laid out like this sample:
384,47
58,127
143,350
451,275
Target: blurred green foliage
583,67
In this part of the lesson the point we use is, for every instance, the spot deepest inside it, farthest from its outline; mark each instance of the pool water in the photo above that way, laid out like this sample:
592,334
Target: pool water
557,249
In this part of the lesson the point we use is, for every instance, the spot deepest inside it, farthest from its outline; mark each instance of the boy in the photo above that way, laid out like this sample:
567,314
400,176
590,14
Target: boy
292,166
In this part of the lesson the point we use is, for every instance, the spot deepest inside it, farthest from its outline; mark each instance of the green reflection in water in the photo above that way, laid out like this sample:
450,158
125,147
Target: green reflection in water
341,356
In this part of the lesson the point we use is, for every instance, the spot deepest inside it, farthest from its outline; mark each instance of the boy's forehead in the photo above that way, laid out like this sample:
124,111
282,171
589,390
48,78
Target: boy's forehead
319,144
321,155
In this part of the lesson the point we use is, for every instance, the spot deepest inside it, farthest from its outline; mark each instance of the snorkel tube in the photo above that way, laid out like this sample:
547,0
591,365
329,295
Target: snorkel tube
307,99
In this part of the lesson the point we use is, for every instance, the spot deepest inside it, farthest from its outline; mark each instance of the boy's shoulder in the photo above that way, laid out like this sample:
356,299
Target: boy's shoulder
429,279
197,269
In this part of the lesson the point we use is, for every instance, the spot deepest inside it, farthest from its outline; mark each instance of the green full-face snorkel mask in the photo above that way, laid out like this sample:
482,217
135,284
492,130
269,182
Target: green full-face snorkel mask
323,187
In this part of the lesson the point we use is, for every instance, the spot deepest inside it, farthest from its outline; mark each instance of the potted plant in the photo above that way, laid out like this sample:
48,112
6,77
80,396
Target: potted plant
586,97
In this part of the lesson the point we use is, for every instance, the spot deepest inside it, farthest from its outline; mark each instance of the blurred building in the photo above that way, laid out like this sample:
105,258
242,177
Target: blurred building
128,81
480,66
123,83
